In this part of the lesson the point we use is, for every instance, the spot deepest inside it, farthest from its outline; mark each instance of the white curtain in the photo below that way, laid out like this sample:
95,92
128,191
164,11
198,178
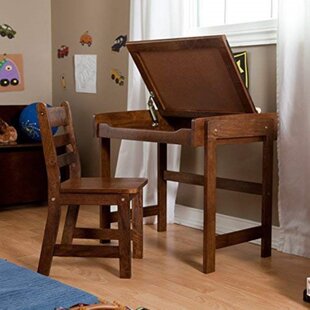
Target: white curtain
294,134
150,19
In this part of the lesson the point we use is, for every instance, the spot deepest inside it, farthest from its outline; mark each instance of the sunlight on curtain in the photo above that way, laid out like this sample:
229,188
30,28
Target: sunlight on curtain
150,19
294,113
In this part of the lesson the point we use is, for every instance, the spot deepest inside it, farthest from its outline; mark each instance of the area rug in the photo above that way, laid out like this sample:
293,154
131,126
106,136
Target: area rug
23,289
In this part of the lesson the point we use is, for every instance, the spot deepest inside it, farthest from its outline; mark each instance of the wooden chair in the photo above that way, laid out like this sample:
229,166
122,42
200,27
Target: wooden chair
77,191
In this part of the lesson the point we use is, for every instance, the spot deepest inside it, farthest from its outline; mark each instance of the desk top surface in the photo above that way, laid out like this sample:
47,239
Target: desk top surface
192,77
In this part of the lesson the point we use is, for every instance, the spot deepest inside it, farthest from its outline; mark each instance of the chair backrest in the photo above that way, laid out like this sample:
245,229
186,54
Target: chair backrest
60,150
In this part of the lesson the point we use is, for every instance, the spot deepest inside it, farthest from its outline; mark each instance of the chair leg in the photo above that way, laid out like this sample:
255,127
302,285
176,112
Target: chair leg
267,197
105,221
70,224
49,240
209,222
124,241
137,225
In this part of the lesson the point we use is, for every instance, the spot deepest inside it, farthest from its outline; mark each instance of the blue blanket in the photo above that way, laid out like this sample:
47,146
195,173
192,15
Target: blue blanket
23,289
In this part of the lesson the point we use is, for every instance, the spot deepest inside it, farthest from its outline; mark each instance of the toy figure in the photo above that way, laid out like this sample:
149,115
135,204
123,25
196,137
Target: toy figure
9,73
119,42
7,30
8,134
86,39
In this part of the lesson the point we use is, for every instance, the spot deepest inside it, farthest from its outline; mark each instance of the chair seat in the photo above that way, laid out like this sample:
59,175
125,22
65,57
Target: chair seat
103,185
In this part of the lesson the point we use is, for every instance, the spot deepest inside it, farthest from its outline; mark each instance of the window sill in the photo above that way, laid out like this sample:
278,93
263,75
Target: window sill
245,34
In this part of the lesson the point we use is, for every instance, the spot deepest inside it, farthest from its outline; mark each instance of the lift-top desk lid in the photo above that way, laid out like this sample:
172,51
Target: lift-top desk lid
192,77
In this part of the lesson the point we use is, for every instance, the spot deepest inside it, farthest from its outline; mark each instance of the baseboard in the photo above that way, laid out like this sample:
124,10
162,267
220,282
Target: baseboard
193,218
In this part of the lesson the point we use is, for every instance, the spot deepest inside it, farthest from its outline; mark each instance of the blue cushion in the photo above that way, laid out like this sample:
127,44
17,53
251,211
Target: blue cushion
23,289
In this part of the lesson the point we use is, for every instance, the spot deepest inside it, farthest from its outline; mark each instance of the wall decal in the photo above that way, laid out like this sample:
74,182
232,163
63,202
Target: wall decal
85,73
63,82
86,38
119,42
242,64
11,72
7,31
63,51
117,77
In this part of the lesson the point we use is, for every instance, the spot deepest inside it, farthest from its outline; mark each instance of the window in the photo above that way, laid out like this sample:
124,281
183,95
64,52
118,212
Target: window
245,22
223,12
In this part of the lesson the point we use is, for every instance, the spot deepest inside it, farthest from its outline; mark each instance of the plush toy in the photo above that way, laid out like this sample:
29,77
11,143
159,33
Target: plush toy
8,133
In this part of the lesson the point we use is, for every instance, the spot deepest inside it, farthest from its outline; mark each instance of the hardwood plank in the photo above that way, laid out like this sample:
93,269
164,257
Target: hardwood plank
169,276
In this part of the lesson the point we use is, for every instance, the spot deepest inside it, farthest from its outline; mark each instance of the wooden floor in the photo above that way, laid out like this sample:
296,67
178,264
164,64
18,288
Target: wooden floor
169,276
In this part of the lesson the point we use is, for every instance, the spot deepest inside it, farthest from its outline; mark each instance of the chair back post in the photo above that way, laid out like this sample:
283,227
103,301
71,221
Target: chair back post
49,151
75,167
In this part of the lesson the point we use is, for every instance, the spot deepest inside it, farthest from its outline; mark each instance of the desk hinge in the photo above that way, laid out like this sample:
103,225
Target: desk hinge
152,110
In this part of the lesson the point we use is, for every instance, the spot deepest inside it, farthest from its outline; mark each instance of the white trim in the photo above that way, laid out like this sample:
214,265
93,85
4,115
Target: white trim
193,218
245,34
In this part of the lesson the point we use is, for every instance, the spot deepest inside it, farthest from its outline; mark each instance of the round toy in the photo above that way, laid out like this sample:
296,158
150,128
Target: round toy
29,123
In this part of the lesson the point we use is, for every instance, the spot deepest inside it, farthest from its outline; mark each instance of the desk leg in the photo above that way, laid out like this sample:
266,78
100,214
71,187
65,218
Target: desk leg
161,187
105,167
267,196
209,224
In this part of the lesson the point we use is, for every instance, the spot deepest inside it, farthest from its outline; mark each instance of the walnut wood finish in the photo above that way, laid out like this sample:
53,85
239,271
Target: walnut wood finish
105,162
162,186
174,68
208,132
168,277
206,105
77,191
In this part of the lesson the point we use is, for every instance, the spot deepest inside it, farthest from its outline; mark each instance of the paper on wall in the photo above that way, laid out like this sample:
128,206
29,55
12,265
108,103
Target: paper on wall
85,73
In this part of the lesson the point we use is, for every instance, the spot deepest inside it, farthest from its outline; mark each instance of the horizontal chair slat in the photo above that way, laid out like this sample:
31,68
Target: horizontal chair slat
94,233
57,117
62,140
147,211
93,199
86,250
66,159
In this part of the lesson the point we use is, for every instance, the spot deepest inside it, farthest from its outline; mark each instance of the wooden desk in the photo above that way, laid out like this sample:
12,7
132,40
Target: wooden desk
207,132
194,113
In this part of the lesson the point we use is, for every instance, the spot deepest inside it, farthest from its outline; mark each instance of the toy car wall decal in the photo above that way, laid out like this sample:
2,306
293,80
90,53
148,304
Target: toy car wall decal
9,74
63,51
7,31
117,77
119,42
86,39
